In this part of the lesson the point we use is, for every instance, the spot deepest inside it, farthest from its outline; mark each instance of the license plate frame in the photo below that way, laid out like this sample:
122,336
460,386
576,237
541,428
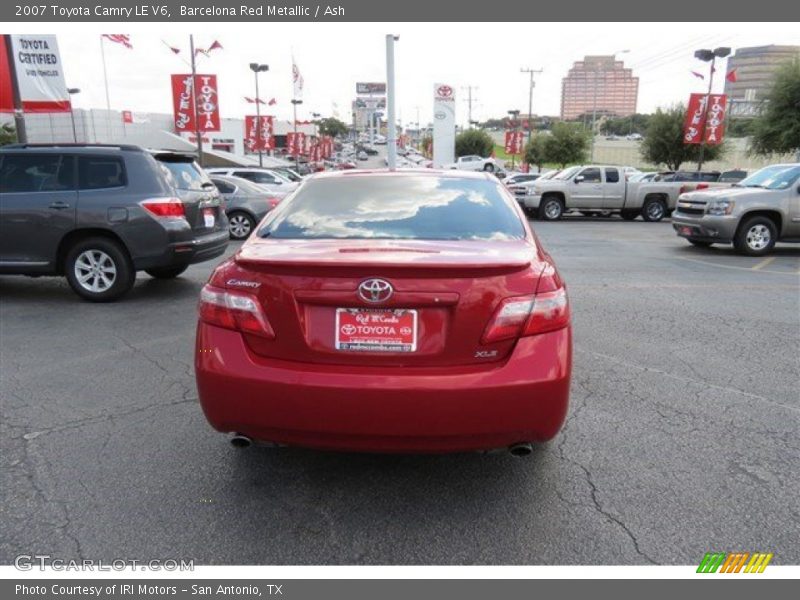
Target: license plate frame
209,218
379,330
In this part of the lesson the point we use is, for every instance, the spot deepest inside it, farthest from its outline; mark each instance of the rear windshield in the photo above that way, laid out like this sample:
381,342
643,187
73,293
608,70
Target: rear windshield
184,175
401,207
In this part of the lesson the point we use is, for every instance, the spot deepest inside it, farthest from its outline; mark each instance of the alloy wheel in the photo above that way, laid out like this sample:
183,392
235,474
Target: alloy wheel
239,226
95,271
758,237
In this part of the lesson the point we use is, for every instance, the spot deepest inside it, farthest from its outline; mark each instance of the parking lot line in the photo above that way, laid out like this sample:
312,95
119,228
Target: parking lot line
763,263
711,264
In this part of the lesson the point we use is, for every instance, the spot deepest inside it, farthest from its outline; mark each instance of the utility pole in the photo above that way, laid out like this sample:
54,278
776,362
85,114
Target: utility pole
531,72
470,101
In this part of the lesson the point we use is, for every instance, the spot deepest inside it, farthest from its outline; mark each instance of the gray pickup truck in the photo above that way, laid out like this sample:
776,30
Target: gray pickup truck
753,214
597,188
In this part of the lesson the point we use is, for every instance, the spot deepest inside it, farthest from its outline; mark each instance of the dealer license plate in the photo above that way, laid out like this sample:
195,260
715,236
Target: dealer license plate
376,330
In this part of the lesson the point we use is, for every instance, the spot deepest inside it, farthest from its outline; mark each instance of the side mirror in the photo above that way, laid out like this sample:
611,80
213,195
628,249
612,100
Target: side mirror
579,178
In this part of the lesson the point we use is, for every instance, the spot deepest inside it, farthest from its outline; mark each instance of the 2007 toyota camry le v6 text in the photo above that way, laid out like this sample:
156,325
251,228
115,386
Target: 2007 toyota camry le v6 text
388,311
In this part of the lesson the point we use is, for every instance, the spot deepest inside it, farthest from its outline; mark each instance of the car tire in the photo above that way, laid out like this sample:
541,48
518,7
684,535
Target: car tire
700,243
756,236
99,269
240,225
166,272
551,209
654,210
629,215
489,168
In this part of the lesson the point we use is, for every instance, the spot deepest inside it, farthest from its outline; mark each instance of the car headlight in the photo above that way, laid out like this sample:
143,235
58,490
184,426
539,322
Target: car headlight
722,206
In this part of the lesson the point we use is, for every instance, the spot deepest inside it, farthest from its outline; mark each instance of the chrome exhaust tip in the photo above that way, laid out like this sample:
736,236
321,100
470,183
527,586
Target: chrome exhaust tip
521,449
240,441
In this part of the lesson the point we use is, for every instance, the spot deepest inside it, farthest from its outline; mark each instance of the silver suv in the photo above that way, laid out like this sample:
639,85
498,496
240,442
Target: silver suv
753,214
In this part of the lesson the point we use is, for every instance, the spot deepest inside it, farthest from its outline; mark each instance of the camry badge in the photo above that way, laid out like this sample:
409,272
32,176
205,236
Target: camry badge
375,290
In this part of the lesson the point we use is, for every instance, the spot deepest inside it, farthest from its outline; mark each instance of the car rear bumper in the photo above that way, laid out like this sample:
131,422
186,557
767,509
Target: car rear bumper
705,228
188,251
447,409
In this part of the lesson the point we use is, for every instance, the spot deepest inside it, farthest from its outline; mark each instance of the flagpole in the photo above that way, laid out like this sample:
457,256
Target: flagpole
105,80
194,103
705,116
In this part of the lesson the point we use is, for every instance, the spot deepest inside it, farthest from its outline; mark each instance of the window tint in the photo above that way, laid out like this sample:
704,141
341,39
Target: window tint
95,172
256,176
32,172
397,207
184,175
591,175
223,186
612,176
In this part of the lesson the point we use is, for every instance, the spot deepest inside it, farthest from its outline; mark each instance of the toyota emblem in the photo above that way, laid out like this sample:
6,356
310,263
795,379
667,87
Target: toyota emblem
375,290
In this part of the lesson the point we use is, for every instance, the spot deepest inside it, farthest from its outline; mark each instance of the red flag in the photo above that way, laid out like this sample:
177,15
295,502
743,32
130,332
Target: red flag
249,100
698,75
272,102
214,46
119,38
731,76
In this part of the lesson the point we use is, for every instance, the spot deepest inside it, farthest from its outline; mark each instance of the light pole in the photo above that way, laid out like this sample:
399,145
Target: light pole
531,72
257,68
391,141
515,116
72,92
708,56
594,104
295,102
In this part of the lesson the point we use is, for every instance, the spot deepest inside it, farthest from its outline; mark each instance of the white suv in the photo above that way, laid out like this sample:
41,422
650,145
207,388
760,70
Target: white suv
474,163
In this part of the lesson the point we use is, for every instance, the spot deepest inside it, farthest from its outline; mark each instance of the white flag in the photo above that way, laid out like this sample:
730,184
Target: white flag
298,81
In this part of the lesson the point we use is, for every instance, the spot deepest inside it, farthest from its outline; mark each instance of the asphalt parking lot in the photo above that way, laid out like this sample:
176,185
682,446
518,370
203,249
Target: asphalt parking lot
683,433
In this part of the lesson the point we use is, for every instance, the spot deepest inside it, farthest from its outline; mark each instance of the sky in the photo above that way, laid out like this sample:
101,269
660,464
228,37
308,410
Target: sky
333,57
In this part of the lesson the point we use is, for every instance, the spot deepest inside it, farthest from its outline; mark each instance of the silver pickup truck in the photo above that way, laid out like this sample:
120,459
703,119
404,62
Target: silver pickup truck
597,188
754,214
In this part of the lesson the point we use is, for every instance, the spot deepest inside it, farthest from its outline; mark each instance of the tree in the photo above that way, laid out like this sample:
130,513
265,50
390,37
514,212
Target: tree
777,130
8,134
535,152
425,143
663,142
567,143
625,125
333,127
474,141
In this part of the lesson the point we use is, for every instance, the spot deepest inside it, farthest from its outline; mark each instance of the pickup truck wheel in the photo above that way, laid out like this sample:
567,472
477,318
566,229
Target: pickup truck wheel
99,270
551,209
629,215
489,167
654,210
756,236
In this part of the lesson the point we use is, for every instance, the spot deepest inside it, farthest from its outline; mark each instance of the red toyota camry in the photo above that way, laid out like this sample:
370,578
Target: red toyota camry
409,311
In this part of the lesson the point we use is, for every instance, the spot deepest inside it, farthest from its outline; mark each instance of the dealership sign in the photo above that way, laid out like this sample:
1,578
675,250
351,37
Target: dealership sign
444,124
39,74
371,88
258,133
513,142
206,99
705,111
295,143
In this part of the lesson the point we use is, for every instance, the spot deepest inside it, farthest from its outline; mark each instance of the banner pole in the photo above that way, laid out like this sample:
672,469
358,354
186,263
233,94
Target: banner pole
105,81
19,114
194,104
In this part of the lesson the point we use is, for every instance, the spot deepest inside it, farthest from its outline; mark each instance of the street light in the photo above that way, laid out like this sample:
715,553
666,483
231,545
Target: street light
257,68
295,102
72,92
711,56
594,104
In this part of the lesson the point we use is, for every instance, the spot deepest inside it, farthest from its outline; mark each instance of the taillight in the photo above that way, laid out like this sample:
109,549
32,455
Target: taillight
273,202
528,315
701,186
233,310
164,207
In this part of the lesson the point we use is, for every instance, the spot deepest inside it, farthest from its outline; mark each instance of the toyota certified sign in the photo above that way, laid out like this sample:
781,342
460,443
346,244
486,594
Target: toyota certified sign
375,290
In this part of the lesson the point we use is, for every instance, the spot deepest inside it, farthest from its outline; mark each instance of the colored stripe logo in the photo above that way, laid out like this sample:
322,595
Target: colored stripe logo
734,562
